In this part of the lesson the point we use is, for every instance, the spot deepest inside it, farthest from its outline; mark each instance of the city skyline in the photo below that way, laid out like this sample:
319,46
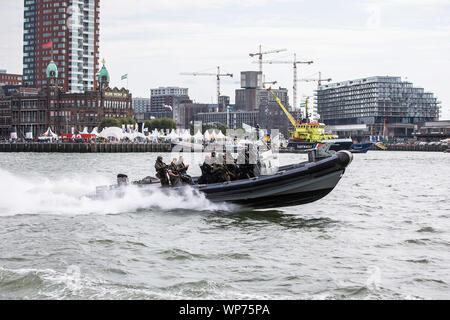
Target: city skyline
346,40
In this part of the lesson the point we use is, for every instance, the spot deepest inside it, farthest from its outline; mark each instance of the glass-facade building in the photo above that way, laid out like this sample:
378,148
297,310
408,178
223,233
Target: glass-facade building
375,100
73,27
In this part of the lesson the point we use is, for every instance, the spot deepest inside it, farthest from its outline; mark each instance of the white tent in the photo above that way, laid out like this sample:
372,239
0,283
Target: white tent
95,131
186,136
112,132
220,136
172,135
198,137
213,134
129,135
139,136
85,131
207,136
48,135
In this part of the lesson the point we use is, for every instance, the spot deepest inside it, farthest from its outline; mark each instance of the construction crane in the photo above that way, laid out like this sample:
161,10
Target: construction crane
294,63
261,53
319,83
318,80
218,75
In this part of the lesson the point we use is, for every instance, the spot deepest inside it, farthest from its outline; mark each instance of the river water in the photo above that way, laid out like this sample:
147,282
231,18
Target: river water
383,233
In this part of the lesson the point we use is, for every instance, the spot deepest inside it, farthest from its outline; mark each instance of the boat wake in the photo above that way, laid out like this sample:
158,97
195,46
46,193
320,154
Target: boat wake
67,196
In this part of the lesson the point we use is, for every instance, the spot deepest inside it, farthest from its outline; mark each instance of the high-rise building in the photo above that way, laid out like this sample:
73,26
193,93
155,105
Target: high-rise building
375,106
252,96
70,31
233,120
141,105
163,97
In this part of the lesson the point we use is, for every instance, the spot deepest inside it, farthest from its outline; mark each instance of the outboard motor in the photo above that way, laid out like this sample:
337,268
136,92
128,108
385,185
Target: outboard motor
122,179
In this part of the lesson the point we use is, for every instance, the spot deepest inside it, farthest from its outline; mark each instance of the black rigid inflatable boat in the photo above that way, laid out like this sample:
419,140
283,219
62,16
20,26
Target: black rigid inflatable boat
290,186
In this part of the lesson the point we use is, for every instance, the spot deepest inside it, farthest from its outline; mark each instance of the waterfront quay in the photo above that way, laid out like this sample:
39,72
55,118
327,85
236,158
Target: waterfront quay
85,147
413,147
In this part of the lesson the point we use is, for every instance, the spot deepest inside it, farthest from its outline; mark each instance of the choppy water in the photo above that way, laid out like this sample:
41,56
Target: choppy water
383,233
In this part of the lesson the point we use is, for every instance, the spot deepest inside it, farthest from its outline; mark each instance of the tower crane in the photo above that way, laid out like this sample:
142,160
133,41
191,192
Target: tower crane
319,83
270,82
319,80
261,53
294,63
218,75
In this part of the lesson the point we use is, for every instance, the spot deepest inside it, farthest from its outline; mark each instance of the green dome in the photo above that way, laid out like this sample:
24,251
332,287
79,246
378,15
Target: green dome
103,73
52,67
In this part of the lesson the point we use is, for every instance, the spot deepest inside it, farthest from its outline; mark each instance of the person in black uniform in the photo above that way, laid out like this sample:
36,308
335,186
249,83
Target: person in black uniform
230,165
161,171
219,170
206,167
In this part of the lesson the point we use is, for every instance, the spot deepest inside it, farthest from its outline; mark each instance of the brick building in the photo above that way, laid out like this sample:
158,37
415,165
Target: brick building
52,107
10,79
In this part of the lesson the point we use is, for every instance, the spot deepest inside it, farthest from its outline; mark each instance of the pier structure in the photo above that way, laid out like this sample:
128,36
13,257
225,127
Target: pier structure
85,147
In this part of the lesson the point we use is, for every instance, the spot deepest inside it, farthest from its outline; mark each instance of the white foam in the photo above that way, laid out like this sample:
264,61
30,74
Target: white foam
40,195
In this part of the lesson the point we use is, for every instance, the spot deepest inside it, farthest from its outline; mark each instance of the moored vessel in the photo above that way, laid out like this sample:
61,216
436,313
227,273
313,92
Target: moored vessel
308,135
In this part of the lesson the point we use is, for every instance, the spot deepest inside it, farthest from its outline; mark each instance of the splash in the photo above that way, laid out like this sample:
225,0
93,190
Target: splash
67,196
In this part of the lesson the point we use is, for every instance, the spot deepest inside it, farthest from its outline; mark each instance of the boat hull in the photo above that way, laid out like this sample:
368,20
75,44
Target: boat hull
336,146
289,187
361,147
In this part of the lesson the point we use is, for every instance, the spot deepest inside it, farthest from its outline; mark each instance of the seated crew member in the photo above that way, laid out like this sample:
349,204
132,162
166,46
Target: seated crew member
247,168
182,170
206,167
230,165
161,171
219,171
175,179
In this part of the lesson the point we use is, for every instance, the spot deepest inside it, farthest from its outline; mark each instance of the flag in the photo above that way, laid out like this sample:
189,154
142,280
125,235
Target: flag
125,76
48,45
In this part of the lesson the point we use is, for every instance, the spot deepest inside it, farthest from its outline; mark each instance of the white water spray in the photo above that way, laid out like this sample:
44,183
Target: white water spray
67,196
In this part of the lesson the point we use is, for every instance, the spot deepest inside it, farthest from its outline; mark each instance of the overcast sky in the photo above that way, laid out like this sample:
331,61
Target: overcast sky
153,41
